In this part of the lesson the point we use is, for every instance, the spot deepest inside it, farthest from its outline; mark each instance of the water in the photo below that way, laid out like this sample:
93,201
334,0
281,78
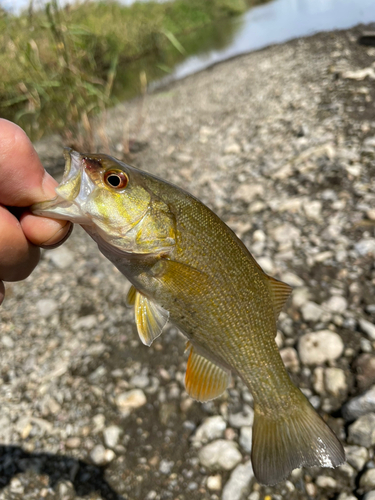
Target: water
277,22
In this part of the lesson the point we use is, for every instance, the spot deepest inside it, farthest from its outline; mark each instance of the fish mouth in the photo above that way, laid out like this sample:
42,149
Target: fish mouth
72,193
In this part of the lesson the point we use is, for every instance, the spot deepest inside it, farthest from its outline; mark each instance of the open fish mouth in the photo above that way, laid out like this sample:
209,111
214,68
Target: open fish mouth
72,193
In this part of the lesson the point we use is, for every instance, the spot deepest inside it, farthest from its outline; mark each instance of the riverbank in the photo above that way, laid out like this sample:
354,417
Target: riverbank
62,66
281,144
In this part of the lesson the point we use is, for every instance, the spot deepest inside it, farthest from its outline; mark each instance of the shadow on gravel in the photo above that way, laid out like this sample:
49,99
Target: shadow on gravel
86,478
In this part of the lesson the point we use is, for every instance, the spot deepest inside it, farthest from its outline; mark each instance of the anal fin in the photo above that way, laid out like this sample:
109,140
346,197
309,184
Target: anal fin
204,380
150,318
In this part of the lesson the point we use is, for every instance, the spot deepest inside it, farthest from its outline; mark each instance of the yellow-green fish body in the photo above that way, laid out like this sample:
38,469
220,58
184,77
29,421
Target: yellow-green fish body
187,266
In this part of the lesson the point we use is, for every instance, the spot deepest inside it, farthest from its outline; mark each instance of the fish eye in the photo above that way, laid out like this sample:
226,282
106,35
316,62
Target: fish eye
116,179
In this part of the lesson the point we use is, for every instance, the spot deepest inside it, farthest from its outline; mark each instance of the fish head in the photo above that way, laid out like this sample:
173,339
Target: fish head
113,202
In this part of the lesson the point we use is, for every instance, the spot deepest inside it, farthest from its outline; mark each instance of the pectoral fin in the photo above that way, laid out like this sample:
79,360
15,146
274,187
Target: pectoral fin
280,293
150,318
130,298
204,380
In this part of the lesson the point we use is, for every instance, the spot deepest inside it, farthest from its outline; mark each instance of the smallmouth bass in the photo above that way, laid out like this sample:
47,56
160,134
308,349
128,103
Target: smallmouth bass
185,265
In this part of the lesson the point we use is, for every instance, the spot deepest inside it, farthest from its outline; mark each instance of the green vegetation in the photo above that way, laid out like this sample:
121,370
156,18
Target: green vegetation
60,66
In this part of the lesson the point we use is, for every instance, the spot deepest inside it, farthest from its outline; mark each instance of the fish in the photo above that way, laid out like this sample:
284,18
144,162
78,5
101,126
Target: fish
186,266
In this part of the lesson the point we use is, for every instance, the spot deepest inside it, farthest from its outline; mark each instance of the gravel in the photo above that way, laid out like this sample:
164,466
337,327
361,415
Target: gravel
280,144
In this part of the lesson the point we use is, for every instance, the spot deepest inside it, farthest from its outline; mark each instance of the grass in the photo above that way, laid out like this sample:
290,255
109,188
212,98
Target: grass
59,66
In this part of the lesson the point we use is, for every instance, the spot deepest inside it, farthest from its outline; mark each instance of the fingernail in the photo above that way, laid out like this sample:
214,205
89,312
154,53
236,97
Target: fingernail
58,238
2,292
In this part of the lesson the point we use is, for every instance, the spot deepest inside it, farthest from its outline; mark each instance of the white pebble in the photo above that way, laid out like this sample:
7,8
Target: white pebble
311,311
100,456
220,454
131,399
212,428
246,438
111,435
238,484
318,347
46,307
214,482
335,381
61,257
336,304
367,327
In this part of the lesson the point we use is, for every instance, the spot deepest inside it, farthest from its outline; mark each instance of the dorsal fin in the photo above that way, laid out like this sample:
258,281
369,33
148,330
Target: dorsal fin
150,318
280,293
204,380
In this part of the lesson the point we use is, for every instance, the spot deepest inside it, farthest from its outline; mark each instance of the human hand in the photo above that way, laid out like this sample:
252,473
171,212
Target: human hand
23,181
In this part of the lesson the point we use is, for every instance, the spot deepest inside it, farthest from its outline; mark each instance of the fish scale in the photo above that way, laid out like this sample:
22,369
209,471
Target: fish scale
187,266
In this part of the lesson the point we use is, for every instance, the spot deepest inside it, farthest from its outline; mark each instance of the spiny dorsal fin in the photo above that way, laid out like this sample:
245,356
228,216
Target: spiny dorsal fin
130,298
204,380
280,293
150,318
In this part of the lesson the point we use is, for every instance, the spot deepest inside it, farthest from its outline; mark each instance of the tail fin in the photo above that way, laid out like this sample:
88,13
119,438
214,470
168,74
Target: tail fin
281,444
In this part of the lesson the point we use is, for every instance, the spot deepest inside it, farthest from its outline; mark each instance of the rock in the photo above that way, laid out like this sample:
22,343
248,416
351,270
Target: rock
313,209
239,482
336,304
365,367
245,417
111,435
65,490
100,456
46,307
248,192
292,279
335,381
346,496
370,495
166,466
7,341
214,482
356,456
367,327
362,431
246,438
131,399
73,442
286,234
16,487
365,246
311,311
232,148
290,358
318,380
212,428
360,405
220,454
318,347
61,257
326,482
85,323
367,481
300,297
140,381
